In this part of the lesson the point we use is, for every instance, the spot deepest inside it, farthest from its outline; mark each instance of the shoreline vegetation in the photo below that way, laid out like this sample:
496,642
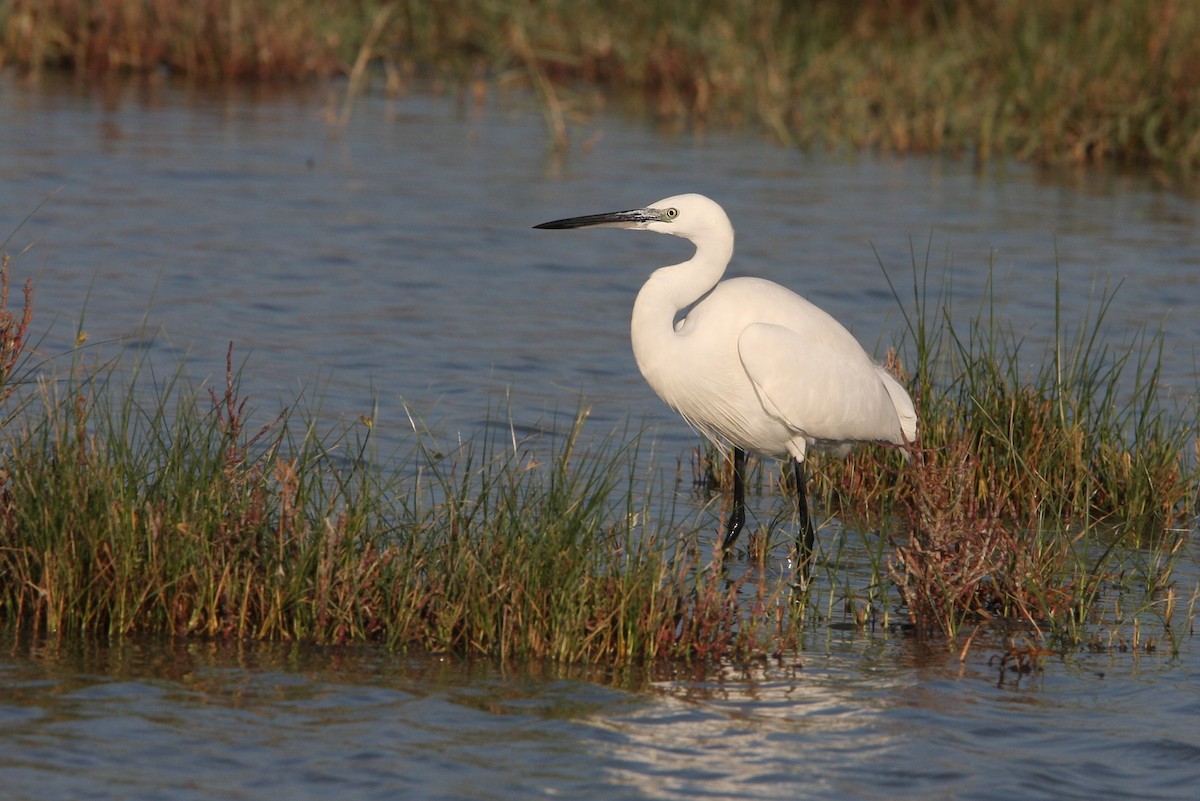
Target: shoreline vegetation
1068,82
1051,507
1052,511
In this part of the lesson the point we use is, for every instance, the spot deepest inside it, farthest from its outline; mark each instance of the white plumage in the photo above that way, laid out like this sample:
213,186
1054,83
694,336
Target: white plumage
746,361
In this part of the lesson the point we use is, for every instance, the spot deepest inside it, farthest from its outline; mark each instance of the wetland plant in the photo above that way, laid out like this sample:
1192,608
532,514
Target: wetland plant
134,504
1027,484
130,503
165,512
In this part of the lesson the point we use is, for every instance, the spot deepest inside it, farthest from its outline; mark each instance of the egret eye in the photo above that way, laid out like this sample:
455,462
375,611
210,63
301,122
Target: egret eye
670,214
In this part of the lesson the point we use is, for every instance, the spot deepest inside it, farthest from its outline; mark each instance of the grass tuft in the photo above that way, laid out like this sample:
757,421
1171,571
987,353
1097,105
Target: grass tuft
160,508
1024,482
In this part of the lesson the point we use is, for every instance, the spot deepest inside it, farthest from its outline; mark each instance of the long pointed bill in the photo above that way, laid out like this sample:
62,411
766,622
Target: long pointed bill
634,218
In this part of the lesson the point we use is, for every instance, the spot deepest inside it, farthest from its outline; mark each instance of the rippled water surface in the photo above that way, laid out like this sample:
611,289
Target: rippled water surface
396,264
851,718
393,269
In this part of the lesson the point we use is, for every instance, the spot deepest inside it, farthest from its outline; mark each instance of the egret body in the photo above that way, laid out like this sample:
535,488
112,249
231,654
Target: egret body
747,362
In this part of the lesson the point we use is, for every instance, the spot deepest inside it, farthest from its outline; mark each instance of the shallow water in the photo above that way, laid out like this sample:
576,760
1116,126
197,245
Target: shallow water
393,269
852,717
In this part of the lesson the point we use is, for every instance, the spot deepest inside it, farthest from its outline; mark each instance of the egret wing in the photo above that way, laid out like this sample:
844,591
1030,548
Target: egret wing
824,389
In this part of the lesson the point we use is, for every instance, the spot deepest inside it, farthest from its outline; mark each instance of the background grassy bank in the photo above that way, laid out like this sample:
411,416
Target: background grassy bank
1061,82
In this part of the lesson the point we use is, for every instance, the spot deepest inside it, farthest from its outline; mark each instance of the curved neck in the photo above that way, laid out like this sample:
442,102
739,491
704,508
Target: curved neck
670,289
678,286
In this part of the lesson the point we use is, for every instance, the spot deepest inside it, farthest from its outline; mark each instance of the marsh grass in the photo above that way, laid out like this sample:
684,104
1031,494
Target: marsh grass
133,503
1039,477
121,517
1057,502
1066,82
207,39
1027,482
14,336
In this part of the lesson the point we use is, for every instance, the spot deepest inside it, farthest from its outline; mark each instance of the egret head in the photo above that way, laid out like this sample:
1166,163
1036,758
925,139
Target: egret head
690,216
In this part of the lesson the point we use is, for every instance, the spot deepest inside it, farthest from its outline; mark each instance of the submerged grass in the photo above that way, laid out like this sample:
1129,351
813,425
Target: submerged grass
1064,82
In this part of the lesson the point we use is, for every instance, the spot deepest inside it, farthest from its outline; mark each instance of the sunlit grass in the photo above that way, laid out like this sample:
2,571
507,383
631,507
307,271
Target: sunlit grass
136,503
154,509
1057,504
1028,479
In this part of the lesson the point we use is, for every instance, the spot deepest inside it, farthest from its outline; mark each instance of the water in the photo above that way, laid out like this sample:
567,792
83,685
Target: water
393,270
852,719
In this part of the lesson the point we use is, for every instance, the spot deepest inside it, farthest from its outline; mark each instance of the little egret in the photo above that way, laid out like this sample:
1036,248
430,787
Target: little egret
748,362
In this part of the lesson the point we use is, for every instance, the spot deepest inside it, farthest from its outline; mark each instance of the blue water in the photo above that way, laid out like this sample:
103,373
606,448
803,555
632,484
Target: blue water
391,272
394,271
853,717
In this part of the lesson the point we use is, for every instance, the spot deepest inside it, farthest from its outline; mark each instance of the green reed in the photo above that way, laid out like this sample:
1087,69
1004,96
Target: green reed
1080,432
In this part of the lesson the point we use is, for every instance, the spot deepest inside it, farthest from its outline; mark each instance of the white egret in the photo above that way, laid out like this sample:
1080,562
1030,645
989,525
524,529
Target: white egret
748,362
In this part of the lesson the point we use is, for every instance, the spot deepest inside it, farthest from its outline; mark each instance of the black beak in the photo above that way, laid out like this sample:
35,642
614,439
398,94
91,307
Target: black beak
617,219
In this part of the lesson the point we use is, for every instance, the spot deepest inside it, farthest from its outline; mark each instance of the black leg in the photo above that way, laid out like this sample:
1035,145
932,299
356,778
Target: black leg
737,518
806,537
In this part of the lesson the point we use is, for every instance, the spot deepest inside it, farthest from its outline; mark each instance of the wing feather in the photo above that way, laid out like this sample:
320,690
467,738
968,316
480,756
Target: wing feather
826,390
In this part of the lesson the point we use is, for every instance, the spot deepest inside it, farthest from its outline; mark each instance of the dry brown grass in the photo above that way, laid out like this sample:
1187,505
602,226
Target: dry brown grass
964,560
